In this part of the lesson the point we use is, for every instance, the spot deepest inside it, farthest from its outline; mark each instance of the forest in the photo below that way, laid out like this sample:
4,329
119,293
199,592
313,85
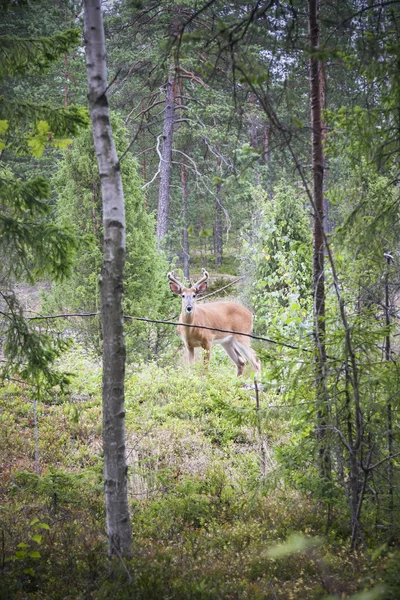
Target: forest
241,161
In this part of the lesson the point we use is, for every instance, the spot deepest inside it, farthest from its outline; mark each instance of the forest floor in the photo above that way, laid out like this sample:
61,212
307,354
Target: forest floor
207,524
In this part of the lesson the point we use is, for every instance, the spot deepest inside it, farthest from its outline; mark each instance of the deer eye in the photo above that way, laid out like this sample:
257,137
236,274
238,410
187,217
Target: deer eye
183,295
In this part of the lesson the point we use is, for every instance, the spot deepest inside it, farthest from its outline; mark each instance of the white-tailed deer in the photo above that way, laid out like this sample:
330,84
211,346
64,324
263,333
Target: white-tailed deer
229,316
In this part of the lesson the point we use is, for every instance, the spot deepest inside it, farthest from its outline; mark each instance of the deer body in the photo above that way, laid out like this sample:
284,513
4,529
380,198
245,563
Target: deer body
229,316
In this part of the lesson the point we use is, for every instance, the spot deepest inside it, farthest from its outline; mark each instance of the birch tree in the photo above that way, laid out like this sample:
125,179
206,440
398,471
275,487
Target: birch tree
115,470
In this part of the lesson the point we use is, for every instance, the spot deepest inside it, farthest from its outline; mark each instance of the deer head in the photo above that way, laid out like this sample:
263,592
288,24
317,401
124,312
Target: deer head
188,295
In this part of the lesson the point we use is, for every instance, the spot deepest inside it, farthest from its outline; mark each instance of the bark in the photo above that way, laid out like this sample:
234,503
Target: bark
318,239
218,237
186,252
324,105
389,416
186,249
115,469
166,153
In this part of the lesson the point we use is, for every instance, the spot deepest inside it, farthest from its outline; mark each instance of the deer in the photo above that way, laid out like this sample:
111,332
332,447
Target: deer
231,317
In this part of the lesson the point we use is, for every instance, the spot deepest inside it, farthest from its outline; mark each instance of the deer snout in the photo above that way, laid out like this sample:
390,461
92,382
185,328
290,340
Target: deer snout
189,309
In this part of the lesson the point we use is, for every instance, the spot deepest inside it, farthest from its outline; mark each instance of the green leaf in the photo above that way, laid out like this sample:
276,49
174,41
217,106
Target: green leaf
34,554
295,543
23,545
37,538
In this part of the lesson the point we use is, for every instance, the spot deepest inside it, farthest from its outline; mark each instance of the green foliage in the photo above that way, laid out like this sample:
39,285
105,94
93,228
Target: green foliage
31,244
21,56
282,264
205,524
79,208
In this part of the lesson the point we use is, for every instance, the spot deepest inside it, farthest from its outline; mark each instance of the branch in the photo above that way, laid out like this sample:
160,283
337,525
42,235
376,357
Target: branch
382,461
159,164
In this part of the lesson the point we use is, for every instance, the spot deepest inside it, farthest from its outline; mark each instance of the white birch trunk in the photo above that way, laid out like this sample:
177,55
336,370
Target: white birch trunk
115,470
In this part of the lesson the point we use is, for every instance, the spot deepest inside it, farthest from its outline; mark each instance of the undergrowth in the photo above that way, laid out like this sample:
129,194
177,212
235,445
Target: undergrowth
207,525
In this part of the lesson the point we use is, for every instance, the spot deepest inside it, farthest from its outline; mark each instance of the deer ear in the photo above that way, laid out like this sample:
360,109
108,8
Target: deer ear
202,287
175,288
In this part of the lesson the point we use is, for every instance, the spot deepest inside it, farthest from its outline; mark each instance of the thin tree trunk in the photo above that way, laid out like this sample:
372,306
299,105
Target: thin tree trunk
186,249
166,153
318,241
186,252
115,469
218,237
389,417
218,240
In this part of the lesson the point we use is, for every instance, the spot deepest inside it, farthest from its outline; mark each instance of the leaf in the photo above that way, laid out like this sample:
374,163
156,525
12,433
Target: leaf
3,126
37,538
34,554
43,526
23,545
29,571
295,543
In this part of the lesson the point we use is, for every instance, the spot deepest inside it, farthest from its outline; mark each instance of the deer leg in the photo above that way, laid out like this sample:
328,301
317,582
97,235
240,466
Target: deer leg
233,352
250,355
190,354
207,354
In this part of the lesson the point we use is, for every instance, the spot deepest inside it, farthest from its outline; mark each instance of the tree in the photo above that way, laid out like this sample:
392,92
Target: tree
318,236
32,245
79,206
115,470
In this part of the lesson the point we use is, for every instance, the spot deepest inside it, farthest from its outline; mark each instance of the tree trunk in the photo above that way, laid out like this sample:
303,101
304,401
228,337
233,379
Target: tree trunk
115,469
186,253
166,152
389,416
318,239
218,238
185,244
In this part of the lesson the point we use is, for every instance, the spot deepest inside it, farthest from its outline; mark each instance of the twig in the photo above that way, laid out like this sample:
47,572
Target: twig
159,164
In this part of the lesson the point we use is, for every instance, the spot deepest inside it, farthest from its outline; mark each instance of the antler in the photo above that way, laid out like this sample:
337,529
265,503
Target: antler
172,278
204,278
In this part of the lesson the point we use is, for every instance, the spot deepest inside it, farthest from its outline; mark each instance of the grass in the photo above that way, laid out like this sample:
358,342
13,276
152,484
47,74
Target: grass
206,524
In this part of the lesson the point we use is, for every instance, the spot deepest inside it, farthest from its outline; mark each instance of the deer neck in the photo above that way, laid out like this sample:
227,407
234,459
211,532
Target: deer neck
187,318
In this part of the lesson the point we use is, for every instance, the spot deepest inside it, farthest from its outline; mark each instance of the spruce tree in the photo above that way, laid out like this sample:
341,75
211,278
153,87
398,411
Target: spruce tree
32,245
